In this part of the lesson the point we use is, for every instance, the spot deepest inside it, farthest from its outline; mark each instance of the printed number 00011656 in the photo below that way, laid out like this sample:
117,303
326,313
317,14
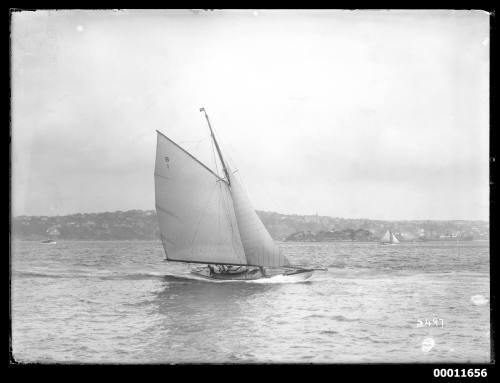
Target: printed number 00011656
460,373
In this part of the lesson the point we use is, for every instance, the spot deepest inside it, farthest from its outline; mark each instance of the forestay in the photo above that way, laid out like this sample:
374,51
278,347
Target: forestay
195,212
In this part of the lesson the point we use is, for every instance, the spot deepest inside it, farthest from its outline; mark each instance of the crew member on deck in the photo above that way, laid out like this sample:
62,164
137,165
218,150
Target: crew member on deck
211,269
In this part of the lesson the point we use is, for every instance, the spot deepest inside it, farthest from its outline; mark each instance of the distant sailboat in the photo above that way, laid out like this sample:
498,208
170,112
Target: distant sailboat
389,238
52,232
207,218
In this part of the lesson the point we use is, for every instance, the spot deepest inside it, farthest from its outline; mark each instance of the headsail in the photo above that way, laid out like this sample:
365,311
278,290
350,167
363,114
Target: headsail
260,248
393,238
195,212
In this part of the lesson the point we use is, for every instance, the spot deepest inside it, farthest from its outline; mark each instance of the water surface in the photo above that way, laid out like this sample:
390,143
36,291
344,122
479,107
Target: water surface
119,302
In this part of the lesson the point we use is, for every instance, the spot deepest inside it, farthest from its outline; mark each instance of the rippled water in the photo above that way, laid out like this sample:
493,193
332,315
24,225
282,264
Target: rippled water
119,302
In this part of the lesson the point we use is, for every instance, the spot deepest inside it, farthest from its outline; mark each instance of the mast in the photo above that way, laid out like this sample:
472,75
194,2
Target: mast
217,146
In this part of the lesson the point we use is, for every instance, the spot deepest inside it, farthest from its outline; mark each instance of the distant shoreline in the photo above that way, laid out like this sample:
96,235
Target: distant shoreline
143,225
278,241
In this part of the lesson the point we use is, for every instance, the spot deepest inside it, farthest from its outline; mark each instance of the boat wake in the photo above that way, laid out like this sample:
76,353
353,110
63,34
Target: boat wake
168,277
86,274
283,279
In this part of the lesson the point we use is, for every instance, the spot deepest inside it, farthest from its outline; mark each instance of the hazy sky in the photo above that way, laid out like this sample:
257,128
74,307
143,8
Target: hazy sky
362,114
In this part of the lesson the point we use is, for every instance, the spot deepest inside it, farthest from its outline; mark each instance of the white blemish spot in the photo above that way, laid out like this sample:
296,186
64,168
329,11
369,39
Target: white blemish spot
479,300
79,28
427,344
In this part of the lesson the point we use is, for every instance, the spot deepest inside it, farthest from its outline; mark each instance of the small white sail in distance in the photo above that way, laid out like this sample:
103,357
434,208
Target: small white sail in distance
386,238
393,238
389,237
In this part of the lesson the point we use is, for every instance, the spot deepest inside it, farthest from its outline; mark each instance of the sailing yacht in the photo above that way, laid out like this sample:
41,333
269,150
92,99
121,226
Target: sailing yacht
49,242
389,238
207,218
52,233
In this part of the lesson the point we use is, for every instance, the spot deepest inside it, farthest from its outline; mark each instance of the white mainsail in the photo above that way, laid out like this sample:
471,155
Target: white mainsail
386,238
195,212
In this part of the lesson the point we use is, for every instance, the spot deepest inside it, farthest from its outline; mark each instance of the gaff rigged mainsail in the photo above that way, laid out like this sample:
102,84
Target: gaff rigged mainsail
204,218
194,208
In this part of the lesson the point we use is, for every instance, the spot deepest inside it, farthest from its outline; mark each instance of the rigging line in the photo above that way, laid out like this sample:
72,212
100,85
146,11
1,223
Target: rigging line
216,145
227,203
218,199
237,249
194,144
219,212
198,143
194,141
201,216
235,230
215,158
